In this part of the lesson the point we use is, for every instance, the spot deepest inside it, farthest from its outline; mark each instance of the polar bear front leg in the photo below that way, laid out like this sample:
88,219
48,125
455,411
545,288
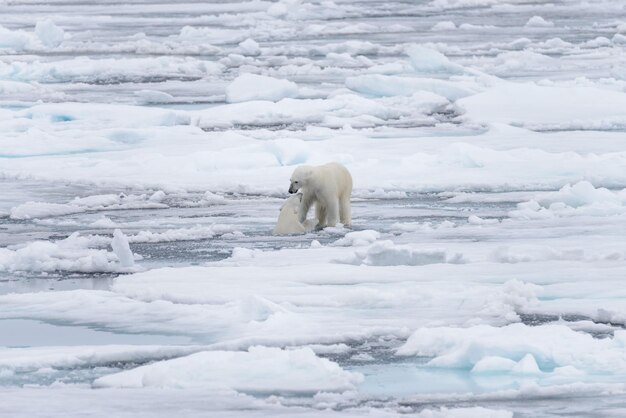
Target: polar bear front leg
305,205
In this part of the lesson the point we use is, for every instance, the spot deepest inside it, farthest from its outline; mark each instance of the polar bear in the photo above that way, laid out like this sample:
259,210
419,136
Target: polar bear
288,222
329,186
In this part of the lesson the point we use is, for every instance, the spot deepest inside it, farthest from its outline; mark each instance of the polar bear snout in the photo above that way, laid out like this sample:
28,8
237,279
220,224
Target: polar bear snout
294,187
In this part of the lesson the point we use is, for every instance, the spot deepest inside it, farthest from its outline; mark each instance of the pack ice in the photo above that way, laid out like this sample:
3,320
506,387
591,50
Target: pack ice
148,260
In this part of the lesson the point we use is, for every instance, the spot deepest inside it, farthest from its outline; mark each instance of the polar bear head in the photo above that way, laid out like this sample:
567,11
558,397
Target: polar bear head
300,178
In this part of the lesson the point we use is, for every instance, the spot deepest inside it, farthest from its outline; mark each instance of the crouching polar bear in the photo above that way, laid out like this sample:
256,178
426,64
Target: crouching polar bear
288,220
329,187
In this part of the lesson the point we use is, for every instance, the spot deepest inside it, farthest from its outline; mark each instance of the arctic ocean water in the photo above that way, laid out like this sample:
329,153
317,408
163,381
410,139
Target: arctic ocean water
482,275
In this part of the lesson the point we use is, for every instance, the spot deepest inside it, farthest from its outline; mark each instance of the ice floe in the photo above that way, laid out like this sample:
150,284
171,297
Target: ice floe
70,254
276,371
248,87
517,348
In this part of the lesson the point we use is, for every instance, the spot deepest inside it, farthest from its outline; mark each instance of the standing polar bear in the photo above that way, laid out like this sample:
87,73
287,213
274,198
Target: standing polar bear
329,186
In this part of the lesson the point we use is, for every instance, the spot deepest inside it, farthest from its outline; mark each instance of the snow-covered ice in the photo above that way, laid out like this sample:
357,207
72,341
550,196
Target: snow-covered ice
145,154
249,87
120,247
275,371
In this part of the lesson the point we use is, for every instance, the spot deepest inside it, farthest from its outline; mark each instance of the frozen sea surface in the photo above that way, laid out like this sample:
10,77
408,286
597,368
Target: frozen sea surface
146,150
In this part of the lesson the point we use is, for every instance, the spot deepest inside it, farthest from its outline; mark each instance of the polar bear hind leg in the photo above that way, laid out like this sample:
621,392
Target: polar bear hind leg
332,212
345,215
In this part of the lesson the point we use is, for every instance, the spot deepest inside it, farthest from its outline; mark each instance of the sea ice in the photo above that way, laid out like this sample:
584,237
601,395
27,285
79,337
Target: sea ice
545,107
48,33
532,349
35,358
14,40
120,247
70,254
538,22
429,61
275,371
31,210
248,87
386,85
386,253
487,249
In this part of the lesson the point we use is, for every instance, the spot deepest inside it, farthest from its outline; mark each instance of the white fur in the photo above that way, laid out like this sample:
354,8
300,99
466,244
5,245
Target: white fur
288,222
329,187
